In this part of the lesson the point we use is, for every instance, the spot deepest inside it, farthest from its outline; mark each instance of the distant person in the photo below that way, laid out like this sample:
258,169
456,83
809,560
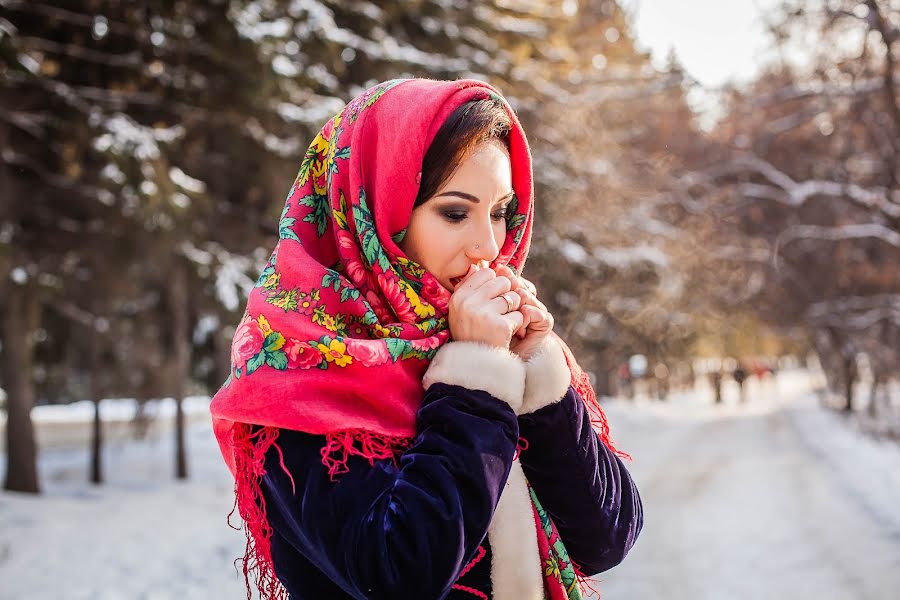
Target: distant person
661,375
624,379
400,419
716,381
740,376
760,369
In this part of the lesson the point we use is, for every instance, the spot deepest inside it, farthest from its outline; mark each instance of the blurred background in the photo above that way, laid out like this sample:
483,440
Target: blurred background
717,235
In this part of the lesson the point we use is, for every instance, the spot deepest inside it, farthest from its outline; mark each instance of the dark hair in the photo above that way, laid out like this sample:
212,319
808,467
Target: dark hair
470,125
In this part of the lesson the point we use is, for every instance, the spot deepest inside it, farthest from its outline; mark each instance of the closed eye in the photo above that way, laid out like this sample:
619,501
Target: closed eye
454,216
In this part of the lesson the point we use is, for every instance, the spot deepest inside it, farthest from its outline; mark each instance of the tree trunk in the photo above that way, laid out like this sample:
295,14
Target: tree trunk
19,321
181,355
96,392
873,394
849,378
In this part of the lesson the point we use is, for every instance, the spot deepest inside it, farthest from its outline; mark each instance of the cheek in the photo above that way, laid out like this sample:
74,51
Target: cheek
433,244
500,233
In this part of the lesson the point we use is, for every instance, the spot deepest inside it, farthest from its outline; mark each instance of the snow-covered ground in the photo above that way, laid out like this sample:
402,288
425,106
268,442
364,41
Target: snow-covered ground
777,498
774,499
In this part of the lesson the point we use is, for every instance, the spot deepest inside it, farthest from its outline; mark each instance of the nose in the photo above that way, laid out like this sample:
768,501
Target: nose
483,245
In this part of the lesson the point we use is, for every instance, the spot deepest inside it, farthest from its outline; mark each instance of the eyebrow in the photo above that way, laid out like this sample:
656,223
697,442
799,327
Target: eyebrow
471,198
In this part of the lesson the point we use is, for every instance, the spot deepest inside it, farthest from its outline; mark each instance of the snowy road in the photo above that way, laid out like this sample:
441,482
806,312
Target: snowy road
777,499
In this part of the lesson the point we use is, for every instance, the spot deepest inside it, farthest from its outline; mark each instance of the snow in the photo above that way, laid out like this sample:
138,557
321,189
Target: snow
232,282
777,498
185,181
623,258
317,110
126,137
140,535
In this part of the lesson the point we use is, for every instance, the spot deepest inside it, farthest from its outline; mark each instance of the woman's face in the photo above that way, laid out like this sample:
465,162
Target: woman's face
464,223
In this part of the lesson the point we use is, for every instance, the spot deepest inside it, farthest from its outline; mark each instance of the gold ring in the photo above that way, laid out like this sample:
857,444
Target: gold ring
509,305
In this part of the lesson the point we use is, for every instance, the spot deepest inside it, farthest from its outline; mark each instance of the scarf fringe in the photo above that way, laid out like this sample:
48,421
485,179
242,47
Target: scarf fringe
584,581
249,450
341,445
582,384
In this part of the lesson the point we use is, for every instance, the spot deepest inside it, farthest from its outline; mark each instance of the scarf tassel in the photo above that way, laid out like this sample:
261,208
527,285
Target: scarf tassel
249,450
341,445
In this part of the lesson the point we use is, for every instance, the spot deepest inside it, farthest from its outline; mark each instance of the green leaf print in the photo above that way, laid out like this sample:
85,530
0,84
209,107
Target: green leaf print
303,173
273,342
396,347
398,237
277,360
284,229
515,219
331,279
318,216
284,299
264,275
256,362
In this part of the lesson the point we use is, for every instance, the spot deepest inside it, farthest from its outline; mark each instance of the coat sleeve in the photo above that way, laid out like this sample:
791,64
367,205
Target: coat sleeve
583,485
403,530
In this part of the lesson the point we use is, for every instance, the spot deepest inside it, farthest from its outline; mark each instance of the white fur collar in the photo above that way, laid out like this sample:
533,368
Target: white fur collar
516,562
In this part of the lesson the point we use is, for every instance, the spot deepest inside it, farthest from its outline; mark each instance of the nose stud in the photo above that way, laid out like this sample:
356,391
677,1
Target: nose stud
477,246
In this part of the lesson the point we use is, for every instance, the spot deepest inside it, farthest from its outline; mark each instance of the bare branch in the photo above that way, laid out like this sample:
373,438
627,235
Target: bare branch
843,232
131,59
856,312
793,193
852,303
28,122
10,157
63,15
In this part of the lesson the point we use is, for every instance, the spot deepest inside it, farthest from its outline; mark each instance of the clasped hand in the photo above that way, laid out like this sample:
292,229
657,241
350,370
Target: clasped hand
498,308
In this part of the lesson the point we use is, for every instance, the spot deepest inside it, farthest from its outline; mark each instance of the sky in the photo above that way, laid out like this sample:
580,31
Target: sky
716,41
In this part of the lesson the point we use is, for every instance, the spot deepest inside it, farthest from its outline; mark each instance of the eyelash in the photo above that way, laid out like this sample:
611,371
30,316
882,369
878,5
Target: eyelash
455,216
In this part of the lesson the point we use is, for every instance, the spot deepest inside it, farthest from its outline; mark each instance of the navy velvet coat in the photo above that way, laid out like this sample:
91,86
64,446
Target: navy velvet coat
407,530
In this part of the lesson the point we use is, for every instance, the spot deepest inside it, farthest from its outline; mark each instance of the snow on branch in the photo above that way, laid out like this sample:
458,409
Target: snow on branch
786,190
232,282
854,303
856,312
843,232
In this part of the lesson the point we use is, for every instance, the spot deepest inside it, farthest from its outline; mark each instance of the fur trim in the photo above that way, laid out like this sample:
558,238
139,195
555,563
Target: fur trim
516,562
479,367
547,377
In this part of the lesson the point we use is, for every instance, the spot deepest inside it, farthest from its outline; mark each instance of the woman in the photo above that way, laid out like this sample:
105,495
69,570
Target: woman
400,420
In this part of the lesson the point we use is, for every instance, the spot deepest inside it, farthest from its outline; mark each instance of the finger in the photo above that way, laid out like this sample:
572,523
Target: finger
475,279
539,320
492,288
529,298
522,331
528,285
513,319
509,274
506,302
